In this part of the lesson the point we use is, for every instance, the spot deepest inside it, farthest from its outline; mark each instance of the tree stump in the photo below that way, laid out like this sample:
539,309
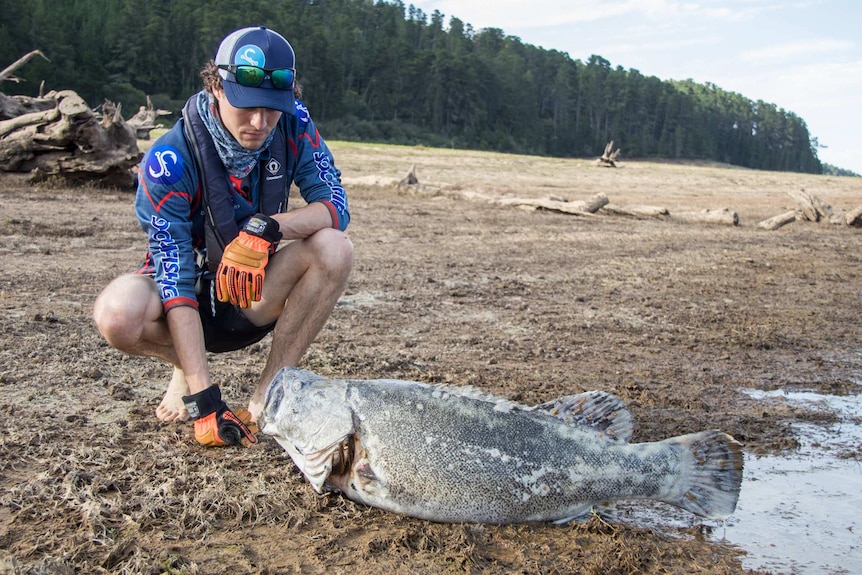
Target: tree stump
144,121
609,158
410,179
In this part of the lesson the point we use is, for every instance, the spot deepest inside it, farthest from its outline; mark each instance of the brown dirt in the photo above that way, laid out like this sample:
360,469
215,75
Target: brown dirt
674,317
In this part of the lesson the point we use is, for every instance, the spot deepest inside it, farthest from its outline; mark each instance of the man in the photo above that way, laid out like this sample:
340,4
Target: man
227,263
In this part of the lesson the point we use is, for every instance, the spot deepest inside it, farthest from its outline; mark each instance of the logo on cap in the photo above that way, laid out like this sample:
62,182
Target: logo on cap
250,55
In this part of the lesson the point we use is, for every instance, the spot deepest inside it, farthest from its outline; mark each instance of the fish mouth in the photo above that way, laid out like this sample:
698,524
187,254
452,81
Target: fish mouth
352,472
342,458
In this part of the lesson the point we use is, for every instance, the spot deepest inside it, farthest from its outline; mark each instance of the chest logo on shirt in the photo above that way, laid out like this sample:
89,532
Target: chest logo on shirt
164,165
273,166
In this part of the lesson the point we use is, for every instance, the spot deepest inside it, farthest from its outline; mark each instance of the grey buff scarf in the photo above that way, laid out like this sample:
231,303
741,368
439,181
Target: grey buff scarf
238,160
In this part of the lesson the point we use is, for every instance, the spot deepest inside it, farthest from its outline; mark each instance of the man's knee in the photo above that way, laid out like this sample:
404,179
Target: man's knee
334,251
121,309
112,320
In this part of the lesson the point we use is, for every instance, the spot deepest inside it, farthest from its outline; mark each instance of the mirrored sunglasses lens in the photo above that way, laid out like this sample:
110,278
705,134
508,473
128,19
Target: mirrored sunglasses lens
282,79
249,76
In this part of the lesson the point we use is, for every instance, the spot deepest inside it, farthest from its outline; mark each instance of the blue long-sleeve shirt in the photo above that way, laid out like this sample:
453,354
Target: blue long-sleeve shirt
170,209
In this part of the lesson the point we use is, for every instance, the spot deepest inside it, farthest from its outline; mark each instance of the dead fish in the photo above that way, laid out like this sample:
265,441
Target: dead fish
452,454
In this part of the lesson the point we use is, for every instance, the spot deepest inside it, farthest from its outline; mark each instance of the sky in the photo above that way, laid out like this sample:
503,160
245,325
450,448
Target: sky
804,56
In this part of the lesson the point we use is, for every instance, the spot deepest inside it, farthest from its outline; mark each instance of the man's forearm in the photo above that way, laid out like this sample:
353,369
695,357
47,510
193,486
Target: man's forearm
302,222
187,337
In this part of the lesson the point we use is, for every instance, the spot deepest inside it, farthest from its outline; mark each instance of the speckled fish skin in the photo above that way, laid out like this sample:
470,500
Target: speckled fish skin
457,455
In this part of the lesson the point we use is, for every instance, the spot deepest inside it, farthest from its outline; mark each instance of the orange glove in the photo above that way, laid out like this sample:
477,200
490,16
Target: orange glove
239,277
215,424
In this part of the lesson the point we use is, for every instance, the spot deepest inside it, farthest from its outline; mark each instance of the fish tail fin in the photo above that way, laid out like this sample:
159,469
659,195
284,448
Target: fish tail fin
712,486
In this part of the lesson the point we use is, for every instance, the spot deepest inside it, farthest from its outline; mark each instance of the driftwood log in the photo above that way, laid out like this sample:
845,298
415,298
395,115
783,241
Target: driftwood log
778,221
854,217
58,135
578,207
709,216
637,211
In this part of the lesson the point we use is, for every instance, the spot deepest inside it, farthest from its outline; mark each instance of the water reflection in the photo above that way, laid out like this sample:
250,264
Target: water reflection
802,514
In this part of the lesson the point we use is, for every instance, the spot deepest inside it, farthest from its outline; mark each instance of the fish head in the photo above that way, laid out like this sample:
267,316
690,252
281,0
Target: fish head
310,418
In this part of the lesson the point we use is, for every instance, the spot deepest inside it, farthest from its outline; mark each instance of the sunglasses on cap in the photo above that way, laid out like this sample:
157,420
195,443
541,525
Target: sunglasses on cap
252,76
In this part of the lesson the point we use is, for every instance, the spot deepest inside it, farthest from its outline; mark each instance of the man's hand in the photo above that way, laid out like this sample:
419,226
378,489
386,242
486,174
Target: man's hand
215,424
239,278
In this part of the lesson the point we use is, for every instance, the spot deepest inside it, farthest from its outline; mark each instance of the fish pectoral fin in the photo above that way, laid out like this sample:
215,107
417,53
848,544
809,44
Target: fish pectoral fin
605,511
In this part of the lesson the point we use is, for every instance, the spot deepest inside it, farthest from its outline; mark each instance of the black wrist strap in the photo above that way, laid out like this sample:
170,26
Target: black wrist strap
203,403
263,226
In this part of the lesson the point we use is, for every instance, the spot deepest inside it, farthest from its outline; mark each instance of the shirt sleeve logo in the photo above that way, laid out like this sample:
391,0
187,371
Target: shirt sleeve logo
164,165
301,112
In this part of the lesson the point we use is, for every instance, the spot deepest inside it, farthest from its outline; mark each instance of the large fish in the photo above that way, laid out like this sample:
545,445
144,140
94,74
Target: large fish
451,454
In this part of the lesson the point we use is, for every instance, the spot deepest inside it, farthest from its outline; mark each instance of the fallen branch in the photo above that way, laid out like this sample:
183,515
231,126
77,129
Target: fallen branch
637,211
854,217
31,119
6,74
778,221
590,206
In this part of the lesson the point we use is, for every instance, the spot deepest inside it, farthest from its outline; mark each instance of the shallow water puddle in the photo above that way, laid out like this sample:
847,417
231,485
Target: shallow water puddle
802,514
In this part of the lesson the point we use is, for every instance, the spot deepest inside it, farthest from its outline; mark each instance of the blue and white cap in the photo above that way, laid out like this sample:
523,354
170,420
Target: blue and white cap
264,48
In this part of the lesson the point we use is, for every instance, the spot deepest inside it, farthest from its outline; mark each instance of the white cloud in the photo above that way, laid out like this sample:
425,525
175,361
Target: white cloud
794,50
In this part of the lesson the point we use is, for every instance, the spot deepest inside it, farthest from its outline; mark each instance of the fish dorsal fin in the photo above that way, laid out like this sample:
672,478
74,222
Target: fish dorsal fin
470,392
597,410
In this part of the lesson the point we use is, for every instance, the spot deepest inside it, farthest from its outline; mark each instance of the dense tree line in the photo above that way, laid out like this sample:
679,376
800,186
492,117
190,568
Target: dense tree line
383,71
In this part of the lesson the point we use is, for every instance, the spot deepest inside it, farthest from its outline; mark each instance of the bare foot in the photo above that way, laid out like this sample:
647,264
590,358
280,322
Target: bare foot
172,407
255,406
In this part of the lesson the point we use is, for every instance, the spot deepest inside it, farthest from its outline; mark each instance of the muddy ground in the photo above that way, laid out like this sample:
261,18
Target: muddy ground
675,317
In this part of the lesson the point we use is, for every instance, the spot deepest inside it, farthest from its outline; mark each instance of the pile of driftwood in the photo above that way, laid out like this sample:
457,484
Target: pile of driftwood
810,208
57,135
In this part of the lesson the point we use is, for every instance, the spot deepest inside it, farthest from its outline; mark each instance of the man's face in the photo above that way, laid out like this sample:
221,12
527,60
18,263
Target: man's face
250,126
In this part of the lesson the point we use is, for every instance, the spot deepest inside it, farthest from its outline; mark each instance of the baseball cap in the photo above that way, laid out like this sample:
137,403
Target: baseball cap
256,46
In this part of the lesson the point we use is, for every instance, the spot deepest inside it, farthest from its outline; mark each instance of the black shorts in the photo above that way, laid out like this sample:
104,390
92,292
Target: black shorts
225,327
